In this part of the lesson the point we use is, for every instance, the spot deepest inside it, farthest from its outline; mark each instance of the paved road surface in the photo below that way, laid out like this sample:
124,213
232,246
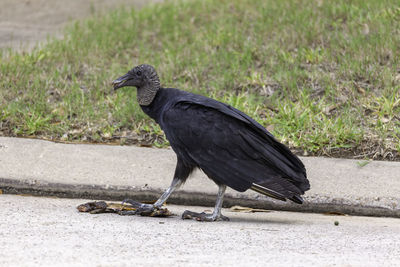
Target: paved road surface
46,231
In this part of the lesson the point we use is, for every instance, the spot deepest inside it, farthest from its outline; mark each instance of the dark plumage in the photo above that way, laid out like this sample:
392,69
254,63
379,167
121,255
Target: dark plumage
231,148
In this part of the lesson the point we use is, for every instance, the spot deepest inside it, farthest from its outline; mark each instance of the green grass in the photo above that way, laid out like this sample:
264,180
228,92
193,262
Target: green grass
323,76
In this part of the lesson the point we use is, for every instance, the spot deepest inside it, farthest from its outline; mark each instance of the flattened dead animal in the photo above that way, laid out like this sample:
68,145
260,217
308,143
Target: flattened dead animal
96,207
91,206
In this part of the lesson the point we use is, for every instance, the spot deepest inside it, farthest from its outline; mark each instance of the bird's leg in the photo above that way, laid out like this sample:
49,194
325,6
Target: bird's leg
176,183
143,209
215,216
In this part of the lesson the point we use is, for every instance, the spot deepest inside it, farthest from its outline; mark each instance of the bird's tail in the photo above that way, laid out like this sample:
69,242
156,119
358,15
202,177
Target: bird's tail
268,192
271,193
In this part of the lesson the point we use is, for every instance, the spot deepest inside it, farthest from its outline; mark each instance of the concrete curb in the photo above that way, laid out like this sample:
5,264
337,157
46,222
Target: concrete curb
181,197
44,168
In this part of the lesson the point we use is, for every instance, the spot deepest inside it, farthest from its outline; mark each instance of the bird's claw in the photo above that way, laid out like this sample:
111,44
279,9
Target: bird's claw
203,217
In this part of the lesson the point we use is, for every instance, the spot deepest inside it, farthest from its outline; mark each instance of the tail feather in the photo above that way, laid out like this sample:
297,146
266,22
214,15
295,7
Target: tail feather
297,199
268,192
273,194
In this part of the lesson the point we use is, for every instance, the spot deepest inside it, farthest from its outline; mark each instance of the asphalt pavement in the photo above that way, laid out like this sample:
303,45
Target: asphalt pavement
51,232
40,167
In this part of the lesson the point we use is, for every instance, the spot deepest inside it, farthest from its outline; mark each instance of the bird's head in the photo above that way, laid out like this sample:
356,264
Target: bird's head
144,77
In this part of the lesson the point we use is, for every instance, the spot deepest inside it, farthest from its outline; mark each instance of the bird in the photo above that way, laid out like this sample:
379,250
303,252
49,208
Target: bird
230,147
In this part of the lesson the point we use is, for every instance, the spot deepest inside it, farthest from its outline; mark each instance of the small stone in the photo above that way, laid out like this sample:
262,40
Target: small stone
64,137
336,223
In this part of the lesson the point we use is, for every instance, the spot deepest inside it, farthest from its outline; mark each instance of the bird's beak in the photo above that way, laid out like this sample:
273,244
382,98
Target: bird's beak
121,81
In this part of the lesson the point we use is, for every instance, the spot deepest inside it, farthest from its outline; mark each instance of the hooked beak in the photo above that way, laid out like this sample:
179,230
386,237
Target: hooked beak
121,81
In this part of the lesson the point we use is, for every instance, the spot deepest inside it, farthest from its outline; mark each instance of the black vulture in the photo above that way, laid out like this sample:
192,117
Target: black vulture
231,148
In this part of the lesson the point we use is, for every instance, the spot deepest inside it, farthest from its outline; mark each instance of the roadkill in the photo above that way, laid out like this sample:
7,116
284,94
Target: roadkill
97,207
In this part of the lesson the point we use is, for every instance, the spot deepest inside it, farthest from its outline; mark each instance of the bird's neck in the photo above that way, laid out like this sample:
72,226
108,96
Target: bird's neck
146,94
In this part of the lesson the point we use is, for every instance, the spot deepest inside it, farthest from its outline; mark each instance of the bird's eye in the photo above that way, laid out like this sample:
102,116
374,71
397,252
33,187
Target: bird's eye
138,73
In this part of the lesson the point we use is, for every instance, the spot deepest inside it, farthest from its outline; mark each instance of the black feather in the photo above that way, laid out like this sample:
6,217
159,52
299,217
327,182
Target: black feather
229,146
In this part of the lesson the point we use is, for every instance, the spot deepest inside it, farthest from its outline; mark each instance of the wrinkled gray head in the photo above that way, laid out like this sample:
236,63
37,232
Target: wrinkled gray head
144,77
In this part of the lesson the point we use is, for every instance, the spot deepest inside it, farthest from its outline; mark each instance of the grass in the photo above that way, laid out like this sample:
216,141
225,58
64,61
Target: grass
322,76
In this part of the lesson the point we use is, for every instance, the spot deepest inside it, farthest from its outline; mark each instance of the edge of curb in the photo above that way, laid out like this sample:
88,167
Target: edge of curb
182,197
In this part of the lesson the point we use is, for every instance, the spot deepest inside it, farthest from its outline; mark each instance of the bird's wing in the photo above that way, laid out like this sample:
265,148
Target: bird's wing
230,147
282,152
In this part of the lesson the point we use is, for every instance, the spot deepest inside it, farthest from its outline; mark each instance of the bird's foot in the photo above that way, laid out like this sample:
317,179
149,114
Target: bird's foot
203,217
140,208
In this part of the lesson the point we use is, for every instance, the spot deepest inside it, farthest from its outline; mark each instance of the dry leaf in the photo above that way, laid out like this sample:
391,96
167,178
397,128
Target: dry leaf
365,29
246,209
327,110
270,128
334,213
